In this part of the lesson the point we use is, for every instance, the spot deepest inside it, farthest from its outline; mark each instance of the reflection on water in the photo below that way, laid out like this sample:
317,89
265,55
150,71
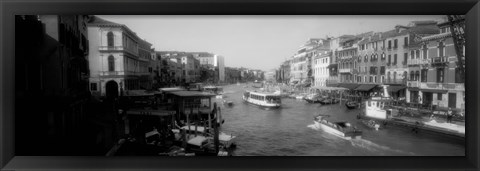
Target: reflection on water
289,131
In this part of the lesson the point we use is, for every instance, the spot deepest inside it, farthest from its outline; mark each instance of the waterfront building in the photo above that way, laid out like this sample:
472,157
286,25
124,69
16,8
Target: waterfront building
301,67
335,43
118,58
434,75
209,59
321,60
346,55
397,52
51,85
191,68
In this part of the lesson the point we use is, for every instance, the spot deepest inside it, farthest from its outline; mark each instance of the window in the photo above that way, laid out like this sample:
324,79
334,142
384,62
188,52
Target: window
439,96
389,59
395,43
93,86
111,63
424,75
412,76
425,50
405,41
395,59
440,75
110,39
412,54
405,58
388,76
389,44
382,70
417,54
394,75
441,48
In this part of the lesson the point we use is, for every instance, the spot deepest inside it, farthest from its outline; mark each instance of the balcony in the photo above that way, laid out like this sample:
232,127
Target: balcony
121,73
116,48
439,61
443,86
417,62
395,81
345,70
413,83
113,48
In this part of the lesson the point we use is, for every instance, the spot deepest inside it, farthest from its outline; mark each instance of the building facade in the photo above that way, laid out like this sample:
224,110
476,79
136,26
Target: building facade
434,75
119,59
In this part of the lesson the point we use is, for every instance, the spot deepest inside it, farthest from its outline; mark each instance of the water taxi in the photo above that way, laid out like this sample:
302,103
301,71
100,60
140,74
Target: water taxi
263,99
341,129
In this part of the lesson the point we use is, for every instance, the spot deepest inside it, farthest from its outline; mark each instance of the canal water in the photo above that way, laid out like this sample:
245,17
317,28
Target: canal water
289,131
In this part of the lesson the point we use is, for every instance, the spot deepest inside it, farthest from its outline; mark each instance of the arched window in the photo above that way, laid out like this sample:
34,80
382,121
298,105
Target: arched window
395,76
110,39
441,47
417,75
111,63
405,73
412,76
388,76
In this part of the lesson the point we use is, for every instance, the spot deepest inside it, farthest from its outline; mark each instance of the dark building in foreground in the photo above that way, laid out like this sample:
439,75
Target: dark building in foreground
51,80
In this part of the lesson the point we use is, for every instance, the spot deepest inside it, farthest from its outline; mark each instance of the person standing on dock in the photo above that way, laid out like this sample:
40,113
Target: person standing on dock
449,115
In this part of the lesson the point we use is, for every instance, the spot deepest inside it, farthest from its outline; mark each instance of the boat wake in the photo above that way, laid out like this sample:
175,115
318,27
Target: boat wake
377,148
370,146
312,126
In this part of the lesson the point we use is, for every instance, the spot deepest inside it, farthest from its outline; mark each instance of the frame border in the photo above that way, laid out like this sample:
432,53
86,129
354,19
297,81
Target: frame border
8,8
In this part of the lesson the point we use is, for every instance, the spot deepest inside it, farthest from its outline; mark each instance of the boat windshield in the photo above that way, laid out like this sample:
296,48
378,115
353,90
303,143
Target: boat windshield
273,99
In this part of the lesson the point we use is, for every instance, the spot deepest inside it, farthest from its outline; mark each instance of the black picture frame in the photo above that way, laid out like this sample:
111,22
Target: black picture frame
8,160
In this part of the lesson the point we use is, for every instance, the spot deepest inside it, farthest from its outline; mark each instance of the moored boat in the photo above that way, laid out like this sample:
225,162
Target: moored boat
371,124
263,99
351,105
341,129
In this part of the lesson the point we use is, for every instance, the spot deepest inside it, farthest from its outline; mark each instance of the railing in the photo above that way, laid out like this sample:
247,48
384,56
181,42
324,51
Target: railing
117,73
413,83
345,70
116,48
110,48
443,86
417,61
439,61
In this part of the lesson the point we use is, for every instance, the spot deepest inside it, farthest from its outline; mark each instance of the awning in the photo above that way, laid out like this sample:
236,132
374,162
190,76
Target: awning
433,91
365,87
349,86
413,89
395,88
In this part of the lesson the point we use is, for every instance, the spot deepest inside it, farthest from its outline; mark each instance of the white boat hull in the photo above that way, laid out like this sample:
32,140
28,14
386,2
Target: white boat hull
260,103
330,130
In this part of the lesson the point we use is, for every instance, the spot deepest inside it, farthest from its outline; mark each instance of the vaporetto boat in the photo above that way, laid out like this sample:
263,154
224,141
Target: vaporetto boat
264,99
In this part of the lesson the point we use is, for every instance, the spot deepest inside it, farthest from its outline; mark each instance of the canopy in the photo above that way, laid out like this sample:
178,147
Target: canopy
413,89
433,91
197,141
349,86
395,88
192,94
365,87
151,112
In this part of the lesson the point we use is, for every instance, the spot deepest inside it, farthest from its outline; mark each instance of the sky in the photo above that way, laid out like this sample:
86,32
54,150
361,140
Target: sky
256,42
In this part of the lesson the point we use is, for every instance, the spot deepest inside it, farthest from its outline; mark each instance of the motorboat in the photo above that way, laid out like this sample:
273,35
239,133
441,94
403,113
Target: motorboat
342,129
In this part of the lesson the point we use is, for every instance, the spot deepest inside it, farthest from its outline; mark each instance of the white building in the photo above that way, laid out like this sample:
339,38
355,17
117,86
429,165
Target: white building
321,72
116,64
